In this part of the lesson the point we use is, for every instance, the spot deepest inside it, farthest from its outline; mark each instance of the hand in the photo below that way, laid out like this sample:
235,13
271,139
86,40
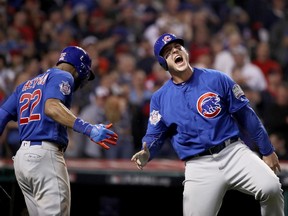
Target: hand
101,134
273,162
141,158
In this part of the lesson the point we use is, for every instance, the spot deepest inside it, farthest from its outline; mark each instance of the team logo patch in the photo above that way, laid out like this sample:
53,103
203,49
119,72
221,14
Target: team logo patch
65,88
166,39
237,91
154,117
208,105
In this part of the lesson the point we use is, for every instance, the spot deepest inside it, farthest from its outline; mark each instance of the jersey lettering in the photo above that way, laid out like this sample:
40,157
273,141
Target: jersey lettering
36,81
30,101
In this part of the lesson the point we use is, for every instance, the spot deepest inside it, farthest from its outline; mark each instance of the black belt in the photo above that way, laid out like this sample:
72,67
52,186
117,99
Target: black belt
60,147
215,149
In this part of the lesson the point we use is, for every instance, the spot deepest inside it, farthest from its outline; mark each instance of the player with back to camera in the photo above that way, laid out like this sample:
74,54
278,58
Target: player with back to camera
41,108
204,113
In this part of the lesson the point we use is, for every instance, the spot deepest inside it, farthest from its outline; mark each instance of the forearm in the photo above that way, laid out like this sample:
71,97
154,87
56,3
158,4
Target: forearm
59,113
5,117
154,143
249,121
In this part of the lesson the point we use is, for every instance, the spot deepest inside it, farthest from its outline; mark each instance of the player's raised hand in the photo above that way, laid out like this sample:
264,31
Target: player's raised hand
98,133
141,158
101,135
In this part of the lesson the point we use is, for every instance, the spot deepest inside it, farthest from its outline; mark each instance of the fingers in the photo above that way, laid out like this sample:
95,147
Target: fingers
277,168
112,134
103,145
145,148
139,166
109,125
136,159
110,141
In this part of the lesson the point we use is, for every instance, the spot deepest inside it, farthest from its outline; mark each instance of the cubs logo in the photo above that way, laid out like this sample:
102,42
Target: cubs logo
208,105
167,38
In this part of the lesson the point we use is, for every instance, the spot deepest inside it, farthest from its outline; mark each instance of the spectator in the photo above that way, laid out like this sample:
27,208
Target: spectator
116,111
244,72
276,115
264,61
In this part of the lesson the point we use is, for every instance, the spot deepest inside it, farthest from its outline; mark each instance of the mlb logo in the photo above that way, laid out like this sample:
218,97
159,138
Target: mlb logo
65,88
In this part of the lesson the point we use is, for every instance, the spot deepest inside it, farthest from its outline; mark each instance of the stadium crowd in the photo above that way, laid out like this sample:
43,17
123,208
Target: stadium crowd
248,40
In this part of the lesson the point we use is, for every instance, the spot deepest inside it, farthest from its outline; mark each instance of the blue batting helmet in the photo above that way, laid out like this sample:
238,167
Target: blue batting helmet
161,42
79,58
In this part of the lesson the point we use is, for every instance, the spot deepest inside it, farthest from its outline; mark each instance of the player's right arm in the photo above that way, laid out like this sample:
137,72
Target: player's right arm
8,111
154,137
99,134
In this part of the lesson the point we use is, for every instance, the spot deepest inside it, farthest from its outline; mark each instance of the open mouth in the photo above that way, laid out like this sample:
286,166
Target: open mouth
178,60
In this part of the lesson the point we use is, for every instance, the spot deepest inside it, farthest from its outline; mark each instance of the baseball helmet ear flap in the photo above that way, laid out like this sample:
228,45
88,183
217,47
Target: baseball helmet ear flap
161,42
162,62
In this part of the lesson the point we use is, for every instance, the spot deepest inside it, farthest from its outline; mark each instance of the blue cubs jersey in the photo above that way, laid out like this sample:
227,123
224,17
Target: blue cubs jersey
27,104
196,114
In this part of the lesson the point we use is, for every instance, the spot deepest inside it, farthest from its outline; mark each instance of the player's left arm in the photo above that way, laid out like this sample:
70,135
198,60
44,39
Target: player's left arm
250,122
56,110
155,135
99,133
58,92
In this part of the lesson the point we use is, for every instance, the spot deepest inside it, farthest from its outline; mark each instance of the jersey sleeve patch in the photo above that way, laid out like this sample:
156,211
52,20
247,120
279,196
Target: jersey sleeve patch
237,91
65,88
154,117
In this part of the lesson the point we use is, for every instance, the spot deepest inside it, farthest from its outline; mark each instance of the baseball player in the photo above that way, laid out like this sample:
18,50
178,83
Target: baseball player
205,113
41,108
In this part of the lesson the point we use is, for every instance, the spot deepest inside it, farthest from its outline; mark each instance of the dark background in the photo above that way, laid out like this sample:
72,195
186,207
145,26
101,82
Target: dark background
112,200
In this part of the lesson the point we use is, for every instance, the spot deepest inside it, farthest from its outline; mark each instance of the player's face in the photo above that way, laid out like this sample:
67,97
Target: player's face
176,57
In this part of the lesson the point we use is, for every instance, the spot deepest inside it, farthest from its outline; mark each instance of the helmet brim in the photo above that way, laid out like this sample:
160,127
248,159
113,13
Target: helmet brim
178,40
91,75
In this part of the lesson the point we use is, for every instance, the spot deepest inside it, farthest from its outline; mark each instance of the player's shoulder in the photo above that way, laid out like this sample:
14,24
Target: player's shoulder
58,73
211,74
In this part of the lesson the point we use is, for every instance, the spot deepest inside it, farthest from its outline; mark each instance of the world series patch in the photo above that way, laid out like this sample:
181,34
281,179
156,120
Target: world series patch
237,91
154,117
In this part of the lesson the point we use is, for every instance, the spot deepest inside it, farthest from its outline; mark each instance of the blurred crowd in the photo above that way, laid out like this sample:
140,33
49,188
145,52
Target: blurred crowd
247,39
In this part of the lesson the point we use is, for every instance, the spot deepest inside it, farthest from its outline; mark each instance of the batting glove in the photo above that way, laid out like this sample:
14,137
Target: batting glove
101,134
98,133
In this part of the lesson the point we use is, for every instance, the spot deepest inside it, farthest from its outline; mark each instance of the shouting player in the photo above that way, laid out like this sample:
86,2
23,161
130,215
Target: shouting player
41,108
205,113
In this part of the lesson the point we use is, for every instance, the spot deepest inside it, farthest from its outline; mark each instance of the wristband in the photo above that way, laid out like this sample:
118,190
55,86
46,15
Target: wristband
83,127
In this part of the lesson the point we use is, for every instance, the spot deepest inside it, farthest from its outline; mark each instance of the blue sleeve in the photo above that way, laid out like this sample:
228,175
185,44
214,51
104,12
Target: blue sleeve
252,130
156,129
10,105
60,86
5,117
